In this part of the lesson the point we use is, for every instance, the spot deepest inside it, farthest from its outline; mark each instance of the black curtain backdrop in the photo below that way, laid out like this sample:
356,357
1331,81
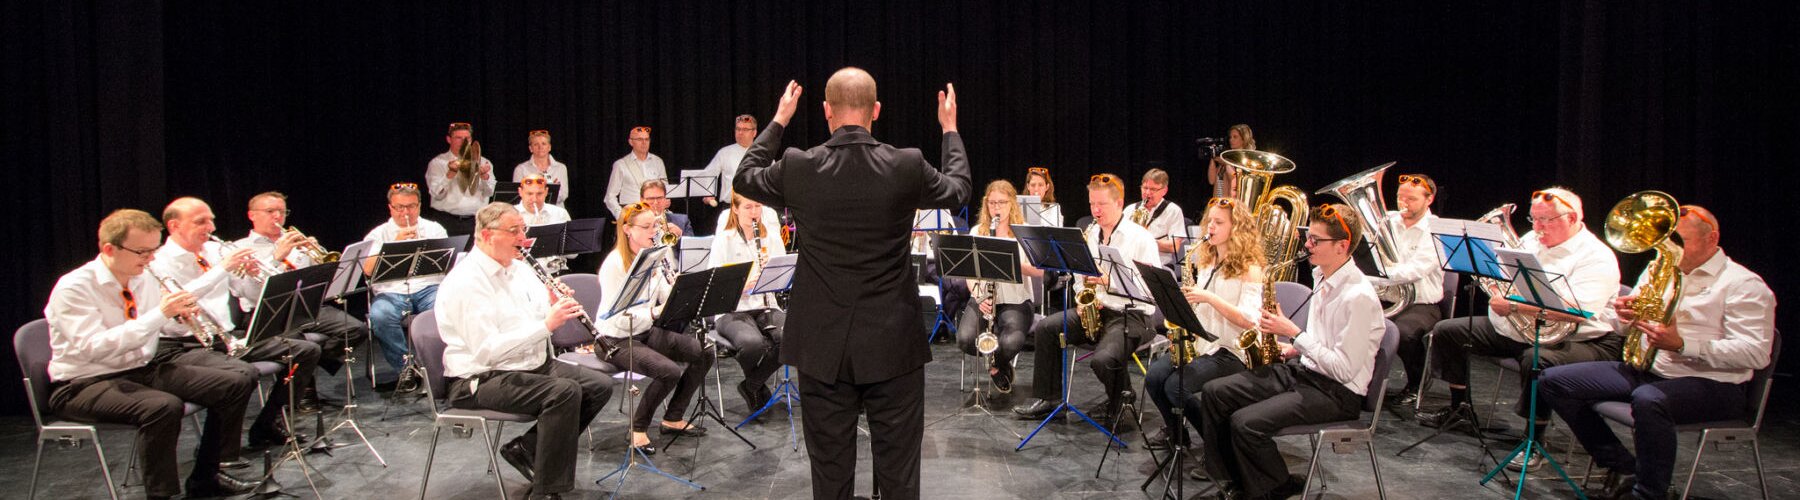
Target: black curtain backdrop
130,104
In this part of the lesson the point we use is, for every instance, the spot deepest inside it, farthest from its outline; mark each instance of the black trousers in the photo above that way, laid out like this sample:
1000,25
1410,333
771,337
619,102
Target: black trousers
305,359
1125,332
1010,323
896,409
1414,322
1457,338
757,336
340,329
1241,413
186,351
565,398
1167,388
657,353
151,398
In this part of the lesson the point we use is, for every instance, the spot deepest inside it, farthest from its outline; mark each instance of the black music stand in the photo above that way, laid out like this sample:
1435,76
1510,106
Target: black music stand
343,283
1166,289
401,261
1538,288
978,258
697,295
1064,250
509,192
288,300
1125,282
649,265
777,277
1466,248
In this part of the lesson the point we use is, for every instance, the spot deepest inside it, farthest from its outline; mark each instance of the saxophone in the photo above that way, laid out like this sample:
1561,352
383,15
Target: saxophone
1259,348
206,329
1140,215
986,343
1639,223
1184,345
1551,331
1087,301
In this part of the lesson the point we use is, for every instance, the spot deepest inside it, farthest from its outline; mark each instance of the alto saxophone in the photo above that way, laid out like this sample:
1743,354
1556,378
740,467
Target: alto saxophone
1087,301
986,343
1184,345
206,329
1261,348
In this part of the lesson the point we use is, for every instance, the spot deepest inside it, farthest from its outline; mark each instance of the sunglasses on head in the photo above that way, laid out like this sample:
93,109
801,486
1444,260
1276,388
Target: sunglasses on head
536,133
1103,179
533,181
1222,202
1418,180
455,126
640,129
1038,171
404,185
1331,211
1686,211
1546,197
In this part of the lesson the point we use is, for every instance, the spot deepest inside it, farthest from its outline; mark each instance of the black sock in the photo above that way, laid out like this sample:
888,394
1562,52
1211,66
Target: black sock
1538,429
1459,397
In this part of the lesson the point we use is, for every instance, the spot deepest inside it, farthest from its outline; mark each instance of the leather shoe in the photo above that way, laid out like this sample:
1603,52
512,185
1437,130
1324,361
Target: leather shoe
221,485
1035,409
752,394
1619,486
408,383
1441,416
645,449
691,430
1404,399
1003,378
1160,440
234,464
516,455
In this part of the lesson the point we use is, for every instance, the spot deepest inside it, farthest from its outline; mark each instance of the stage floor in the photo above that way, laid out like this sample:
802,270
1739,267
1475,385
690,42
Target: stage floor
964,456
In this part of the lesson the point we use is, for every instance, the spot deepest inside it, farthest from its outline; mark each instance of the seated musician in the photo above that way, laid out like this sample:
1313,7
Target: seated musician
394,300
1007,311
1158,214
755,327
630,339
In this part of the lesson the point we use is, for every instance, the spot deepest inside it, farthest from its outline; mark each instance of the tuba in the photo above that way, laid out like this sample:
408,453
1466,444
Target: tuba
1639,223
1255,171
1551,331
1087,301
312,250
1362,192
467,166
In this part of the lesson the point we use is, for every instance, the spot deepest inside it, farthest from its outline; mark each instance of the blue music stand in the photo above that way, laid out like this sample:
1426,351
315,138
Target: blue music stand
937,220
1536,287
777,277
1064,250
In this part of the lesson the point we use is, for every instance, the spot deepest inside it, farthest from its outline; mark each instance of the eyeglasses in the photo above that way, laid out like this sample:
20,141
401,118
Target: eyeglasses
1536,221
404,186
408,206
272,211
1546,197
518,229
1418,180
1332,212
655,198
1686,211
140,253
130,303
536,133
1314,240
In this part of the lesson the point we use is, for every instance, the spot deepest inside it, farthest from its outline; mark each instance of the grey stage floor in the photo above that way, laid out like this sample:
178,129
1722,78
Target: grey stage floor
964,457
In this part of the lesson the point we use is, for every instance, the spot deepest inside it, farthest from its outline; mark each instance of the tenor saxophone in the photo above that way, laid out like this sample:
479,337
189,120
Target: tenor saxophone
1087,301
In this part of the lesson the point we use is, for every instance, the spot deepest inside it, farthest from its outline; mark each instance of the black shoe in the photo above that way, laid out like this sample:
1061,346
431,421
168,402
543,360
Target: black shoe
1003,378
1441,416
408,383
520,458
1199,474
752,394
1406,397
1295,485
234,464
264,437
308,403
221,485
1620,488
1035,409
645,449
692,430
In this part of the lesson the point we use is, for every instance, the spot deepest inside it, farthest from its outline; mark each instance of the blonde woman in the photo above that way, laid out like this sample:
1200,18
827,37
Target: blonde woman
629,340
1010,304
755,327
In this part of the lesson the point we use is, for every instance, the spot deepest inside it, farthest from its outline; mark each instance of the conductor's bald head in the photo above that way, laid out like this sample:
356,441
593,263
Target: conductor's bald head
850,98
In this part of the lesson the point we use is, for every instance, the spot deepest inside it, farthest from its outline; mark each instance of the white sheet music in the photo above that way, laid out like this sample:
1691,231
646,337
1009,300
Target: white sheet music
1459,227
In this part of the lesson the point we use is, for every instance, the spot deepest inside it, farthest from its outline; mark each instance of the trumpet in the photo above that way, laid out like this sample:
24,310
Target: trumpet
663,235
312,250
263,269
206,329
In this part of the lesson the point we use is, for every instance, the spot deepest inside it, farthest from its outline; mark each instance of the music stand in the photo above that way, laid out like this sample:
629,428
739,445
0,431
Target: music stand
1166,289
288,300
699,295
778,276
647,266
936,220
695,254
1060,249
977,258
695,184
1538,288
1466,248
509,192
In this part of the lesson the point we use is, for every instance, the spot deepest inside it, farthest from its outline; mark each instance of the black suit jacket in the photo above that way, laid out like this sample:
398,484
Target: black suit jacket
854,311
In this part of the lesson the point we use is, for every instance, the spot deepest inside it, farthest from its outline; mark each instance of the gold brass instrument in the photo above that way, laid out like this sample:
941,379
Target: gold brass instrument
663,235
1550,331
467,166
1140,215
1362,192
312,250
206,329
1639,223
1184,345
986,343
1259,348
1087,301
1254,172
264,269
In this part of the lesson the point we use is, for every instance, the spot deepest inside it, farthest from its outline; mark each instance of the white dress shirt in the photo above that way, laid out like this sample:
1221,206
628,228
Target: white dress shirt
558,175
1726,318
1245,296
1169,222
1133,243
491,316
265,250
1343,329
1419,263
212,288
447,196
638,318
724,164
546,215
386,232
731,247
89,334
629,175
1590,271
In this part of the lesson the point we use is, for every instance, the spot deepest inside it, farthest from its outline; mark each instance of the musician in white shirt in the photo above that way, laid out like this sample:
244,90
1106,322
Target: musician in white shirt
213,273
1124,325
1565,248
725,162
755,327
543,165
1157,214
496,324
106,320
1420,267
393,300
1009,307
454,201
1241,413
630,172
533,189
1227,297
1723,329
631,340
268,215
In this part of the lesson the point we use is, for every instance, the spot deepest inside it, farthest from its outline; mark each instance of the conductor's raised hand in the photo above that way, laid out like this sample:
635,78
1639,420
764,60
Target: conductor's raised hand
946,109
790,101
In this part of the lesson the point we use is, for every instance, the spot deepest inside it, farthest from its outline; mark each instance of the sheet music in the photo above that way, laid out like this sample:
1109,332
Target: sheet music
1474,229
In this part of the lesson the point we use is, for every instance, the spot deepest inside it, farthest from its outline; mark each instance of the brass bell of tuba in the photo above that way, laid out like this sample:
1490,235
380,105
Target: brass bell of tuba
1362,192
1640,223
1280,226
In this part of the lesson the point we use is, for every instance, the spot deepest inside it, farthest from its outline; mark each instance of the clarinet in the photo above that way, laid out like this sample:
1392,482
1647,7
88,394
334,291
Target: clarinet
557,290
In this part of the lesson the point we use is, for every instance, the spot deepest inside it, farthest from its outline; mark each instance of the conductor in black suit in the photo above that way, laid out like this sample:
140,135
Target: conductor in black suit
853,326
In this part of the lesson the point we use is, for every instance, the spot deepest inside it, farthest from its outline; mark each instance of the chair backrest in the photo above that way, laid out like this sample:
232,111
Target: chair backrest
1447,305
1291,295
428,346
1384,360
31,344
587,291
1761,381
